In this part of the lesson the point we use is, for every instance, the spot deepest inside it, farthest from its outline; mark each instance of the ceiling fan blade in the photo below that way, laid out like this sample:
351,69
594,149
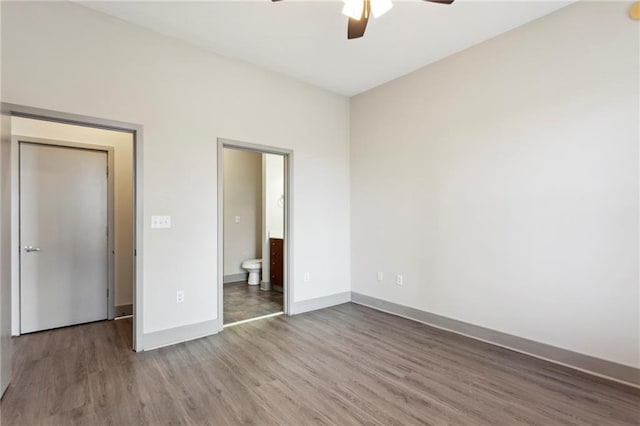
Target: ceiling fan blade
356,27
435,1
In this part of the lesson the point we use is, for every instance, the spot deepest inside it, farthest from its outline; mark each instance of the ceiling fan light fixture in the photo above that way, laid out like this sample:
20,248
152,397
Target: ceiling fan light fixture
353,9
380,7
634,12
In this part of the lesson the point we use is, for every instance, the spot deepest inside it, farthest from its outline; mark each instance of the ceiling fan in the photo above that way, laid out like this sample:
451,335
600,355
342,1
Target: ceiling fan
359,11
634,12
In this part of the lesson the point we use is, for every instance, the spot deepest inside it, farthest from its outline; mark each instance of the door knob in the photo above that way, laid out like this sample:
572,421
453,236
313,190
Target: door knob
29,249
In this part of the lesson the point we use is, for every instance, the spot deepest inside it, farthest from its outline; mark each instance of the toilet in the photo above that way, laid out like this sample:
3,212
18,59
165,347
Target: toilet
253,266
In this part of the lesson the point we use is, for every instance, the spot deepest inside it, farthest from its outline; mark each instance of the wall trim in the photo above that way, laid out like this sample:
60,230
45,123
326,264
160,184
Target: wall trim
138,132
595,366
289,293
232,278
321,302
172,336
123,310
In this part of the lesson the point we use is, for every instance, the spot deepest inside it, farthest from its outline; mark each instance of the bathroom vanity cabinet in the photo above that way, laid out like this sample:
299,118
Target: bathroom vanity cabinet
276,246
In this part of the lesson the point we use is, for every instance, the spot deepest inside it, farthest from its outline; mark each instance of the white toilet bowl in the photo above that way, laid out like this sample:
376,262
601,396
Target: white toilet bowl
253,266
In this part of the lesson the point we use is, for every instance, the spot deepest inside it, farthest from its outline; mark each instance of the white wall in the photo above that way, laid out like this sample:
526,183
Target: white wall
242,187
122,144
274,195
64,57
502,182
273,202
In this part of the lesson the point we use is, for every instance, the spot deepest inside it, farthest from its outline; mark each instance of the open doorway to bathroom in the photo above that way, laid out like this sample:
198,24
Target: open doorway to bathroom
253,229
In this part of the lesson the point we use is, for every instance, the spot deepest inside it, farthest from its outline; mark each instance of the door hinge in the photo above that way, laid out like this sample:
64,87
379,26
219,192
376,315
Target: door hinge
107,292
107,170
135,252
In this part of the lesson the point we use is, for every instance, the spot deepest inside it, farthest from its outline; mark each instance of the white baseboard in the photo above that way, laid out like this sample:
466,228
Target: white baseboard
233,278
588,364
321,302
123,310
172,336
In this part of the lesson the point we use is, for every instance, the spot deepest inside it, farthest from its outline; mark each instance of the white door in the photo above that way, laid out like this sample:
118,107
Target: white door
63,236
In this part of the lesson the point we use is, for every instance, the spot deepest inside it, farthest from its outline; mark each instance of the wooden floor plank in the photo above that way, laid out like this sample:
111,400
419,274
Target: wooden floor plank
343,365
243,301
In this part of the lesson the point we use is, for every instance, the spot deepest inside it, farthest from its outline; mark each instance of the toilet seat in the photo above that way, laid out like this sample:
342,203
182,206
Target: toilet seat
252,263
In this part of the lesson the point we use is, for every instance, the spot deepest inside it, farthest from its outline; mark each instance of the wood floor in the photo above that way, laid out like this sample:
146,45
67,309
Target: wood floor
243,301
344,365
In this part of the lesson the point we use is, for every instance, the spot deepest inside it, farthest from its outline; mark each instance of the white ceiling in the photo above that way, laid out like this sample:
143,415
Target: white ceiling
307,40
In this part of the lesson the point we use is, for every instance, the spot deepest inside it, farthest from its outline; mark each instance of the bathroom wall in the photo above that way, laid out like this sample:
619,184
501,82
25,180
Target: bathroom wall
243,201
273,201
122,143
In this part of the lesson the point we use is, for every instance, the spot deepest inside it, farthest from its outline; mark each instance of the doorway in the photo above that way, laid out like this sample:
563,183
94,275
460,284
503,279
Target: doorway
74,222
254,234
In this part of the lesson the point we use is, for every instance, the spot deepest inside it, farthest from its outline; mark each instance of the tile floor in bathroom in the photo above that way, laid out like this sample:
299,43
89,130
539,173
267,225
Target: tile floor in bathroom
243,301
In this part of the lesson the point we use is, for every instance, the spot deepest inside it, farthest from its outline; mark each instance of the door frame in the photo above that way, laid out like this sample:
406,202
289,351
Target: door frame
288,218
16,141
137,132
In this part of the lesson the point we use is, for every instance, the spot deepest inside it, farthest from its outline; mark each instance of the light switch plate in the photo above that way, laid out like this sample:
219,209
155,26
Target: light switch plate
161,222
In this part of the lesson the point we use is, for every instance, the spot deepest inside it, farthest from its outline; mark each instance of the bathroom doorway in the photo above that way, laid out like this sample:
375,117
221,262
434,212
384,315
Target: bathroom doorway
253,228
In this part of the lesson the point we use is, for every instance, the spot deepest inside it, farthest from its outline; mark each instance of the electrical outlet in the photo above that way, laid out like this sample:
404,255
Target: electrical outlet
180,296
399,280
237,219
380,276
307,277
